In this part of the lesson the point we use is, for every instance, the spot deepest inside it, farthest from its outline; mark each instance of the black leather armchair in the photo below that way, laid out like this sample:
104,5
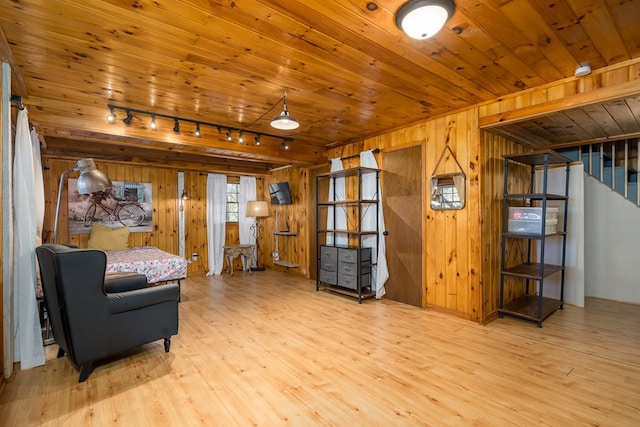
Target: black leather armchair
94,316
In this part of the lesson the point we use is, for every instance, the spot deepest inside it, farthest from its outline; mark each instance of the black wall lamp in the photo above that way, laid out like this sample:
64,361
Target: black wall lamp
111,118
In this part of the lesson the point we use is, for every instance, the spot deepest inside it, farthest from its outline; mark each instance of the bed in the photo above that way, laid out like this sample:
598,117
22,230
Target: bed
159,266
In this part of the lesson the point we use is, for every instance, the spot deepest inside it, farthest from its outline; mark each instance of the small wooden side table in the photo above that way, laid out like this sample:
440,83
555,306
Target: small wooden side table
232,251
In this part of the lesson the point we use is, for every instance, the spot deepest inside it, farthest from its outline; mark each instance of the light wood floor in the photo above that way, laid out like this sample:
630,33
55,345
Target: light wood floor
267,349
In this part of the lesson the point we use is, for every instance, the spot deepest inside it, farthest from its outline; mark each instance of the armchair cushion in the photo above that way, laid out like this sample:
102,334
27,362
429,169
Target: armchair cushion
124,281
132,300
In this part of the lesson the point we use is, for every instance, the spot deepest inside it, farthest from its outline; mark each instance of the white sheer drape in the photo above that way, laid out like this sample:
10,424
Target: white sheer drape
27,334
247,192
216,221
181,230
371,188
341,239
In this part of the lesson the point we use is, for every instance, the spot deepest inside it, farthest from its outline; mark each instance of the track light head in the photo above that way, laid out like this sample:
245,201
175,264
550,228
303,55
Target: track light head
111,117
153,124
240,137
127,120
229,136
284,145
176,126
197,132
257,139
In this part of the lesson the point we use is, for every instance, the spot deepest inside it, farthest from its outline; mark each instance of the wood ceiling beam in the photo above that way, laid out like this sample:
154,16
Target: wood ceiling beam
592,97
18,85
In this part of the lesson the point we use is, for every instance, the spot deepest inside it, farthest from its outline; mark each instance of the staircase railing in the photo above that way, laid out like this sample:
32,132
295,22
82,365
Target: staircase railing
613,163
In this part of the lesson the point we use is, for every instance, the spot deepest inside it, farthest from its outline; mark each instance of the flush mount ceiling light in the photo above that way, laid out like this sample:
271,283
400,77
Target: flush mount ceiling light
422,19
583,69
284,121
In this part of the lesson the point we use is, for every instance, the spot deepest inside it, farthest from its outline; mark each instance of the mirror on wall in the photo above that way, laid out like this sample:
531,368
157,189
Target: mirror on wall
448,191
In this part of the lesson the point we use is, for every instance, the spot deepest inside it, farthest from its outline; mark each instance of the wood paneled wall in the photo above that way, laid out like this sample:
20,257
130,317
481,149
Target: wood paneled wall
451,247
164,233
294,218
493,147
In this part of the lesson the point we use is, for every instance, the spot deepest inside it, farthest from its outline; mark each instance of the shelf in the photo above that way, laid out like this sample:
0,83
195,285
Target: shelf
537,158
526,307
285,233
347,172
286,264
346,202
512,235
362,233
532,271
536,196
347,291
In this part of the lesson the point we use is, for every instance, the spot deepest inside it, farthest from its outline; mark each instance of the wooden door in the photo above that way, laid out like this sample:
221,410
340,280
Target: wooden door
402,204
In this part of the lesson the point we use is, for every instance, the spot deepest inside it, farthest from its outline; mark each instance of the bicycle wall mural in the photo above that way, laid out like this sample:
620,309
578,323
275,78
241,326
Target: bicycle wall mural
127,203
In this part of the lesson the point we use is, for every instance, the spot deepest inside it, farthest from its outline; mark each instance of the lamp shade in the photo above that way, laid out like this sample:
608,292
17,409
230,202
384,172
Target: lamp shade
421,19
257,209
91,180
284,122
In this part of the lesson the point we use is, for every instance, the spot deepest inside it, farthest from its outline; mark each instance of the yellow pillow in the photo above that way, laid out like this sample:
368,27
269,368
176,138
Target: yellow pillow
107,238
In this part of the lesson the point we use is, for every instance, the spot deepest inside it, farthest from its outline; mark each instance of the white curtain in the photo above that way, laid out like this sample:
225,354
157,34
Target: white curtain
28,205
181,230
247,192
371,188
341,239
216,221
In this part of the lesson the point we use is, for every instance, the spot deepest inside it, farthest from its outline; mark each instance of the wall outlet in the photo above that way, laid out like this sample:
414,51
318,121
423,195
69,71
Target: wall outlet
194,257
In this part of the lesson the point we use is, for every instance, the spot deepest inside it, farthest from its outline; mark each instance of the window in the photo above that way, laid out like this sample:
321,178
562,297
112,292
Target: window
233,189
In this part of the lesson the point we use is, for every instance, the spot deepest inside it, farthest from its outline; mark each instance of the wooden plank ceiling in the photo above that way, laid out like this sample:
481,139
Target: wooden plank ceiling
349,72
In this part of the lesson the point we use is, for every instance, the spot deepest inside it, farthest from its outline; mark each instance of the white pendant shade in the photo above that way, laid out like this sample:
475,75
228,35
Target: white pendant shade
284,122
422,19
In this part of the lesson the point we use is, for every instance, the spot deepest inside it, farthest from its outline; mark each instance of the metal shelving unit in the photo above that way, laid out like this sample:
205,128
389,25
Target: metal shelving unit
533,306
361,265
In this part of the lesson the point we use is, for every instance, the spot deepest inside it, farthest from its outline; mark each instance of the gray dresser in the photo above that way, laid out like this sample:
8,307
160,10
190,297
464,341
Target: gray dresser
339,266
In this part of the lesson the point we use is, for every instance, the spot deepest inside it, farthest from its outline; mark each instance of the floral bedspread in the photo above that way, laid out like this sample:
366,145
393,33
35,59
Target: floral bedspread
157,265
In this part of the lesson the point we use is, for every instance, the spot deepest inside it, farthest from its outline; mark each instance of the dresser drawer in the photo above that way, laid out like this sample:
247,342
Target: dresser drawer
352,268
351,255
328,252
329,264
329,277
351,281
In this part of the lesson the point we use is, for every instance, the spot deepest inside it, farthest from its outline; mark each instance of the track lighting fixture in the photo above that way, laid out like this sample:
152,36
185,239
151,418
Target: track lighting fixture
153,124
284,121
111,117
127,120
422,19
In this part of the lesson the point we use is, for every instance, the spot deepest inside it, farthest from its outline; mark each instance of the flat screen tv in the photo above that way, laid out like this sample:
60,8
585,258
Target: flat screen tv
280,194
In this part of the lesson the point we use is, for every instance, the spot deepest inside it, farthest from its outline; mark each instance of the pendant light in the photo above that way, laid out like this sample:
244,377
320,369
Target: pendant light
284,121
422,19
